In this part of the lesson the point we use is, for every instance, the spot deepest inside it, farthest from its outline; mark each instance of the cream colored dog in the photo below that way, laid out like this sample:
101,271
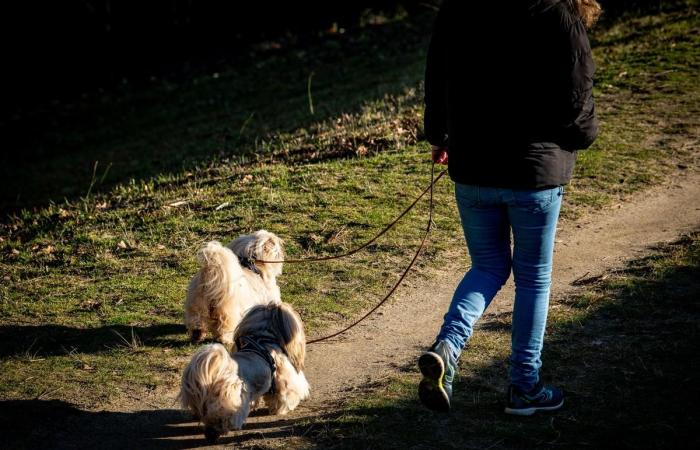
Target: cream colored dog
222,388
230,281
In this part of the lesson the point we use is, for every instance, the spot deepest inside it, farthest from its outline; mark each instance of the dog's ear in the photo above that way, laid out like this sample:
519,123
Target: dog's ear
273,248
290,331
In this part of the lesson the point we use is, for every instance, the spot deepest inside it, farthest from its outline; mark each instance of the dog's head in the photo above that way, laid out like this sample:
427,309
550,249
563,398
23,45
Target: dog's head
281,322
261,245
212,390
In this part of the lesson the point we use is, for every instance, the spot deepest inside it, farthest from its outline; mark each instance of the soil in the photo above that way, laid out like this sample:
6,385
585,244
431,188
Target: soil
389,340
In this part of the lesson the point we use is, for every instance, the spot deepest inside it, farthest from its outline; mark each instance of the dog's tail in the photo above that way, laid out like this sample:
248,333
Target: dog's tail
220,269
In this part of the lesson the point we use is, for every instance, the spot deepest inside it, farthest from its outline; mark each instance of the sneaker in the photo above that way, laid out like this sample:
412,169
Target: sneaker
438,367
540,398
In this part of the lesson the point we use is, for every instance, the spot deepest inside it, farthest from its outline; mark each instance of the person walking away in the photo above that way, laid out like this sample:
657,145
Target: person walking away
508,102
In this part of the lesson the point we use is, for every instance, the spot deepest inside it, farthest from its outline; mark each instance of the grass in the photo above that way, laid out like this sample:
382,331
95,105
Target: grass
87,251
240,114
623,350
128,266
647,94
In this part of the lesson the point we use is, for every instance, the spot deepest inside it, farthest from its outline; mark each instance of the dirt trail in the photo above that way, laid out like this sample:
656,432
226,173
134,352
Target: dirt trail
584,249
399,331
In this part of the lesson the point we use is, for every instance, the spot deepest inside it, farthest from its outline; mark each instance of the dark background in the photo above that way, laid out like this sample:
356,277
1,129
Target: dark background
63,47
57,49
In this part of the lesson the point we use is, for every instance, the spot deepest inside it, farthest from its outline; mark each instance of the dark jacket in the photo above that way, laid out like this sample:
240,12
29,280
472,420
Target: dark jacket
508,89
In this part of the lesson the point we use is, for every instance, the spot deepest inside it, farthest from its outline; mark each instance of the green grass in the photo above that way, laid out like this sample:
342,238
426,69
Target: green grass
243,113
648,101
118,267
623,351
215,157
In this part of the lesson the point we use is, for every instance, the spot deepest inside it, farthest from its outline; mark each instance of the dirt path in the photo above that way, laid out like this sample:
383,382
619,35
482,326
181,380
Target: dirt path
395,336
584,249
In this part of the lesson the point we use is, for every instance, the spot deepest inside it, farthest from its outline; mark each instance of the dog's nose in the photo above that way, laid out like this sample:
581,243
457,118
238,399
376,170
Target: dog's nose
211,434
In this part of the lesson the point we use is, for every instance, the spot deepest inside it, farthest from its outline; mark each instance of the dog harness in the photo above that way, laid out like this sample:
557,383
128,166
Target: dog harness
249,263
252,344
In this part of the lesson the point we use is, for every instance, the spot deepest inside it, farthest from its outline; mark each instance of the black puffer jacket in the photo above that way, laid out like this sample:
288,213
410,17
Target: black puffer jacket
508,89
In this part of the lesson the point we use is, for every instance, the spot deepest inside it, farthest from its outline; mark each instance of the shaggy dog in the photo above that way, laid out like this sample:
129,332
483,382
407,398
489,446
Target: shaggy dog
221,388
231,280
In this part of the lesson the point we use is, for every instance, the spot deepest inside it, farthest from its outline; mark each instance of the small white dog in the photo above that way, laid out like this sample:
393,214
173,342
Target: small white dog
231,280
221,388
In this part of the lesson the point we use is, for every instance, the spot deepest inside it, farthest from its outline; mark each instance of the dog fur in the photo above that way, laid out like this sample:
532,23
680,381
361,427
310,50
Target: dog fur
222,290
222,388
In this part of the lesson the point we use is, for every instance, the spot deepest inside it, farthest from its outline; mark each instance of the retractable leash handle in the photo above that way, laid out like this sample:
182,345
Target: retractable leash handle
429,189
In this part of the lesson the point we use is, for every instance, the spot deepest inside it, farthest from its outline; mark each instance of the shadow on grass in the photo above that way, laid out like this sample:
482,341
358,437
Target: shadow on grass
54,424
167,129
49,340
34,424
625,352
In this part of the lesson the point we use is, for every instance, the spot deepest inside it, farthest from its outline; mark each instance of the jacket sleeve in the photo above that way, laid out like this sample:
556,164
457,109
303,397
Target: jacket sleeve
579,125
435,118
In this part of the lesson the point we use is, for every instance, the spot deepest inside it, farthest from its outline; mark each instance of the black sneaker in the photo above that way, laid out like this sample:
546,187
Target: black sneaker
540,398
438,368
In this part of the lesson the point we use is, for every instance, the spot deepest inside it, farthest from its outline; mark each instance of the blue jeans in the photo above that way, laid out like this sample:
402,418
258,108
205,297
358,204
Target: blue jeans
488,216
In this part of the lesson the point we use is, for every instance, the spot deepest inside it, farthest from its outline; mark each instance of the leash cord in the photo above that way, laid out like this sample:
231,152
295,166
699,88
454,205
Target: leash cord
433,180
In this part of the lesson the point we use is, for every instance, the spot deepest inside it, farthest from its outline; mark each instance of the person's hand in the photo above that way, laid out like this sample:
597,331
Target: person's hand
439,154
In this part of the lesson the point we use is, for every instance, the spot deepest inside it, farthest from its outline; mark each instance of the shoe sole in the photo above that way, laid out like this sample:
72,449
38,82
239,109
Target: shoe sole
430,390
533,410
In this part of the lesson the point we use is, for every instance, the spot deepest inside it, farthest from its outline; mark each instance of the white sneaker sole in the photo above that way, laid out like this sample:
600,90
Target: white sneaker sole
531,411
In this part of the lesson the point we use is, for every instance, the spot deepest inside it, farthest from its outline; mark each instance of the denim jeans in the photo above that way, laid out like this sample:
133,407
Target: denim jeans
488,216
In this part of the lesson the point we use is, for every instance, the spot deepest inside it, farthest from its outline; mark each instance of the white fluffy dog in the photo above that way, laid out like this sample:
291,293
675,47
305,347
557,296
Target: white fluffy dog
221,388
230,281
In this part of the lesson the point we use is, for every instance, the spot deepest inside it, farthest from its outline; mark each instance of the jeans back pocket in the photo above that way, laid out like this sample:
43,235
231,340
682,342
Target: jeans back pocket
536,200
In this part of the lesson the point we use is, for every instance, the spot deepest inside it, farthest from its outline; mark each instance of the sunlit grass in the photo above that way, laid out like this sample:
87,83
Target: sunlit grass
216,158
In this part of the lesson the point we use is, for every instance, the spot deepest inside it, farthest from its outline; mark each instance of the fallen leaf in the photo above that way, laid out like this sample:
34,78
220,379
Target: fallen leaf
122,245
221,206
92,305
177,203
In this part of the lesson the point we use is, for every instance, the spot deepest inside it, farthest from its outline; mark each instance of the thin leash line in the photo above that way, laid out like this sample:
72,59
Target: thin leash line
433,180
405,272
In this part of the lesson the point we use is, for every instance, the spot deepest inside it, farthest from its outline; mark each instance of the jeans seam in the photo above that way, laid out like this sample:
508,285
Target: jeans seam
466,306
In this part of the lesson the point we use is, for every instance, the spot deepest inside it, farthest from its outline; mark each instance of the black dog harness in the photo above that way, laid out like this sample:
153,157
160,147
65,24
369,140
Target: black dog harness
251,344
249,263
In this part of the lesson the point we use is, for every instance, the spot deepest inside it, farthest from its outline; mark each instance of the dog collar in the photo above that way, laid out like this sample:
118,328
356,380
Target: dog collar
249,344
249,263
